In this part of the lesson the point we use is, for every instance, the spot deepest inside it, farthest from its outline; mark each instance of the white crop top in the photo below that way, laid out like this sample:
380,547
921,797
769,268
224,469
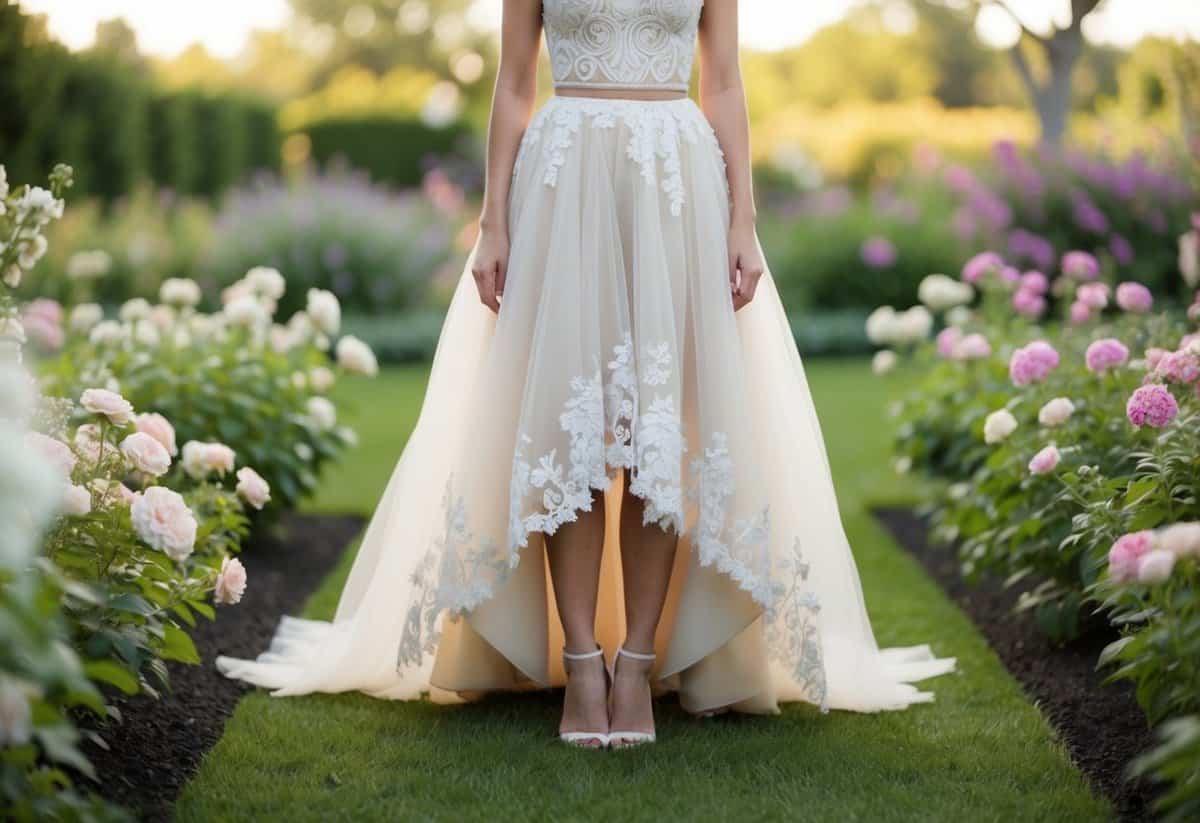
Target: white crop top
621,44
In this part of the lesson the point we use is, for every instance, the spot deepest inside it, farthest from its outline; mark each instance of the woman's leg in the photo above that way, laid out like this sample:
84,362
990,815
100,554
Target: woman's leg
574,552
647,557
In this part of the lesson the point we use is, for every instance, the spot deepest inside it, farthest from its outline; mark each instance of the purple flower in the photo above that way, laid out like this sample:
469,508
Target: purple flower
878,252
1121,250
1089,217
1080,265
1035,281
1105,354
981,265
1134,297
1080,313
1026,245
1151,405
1032,363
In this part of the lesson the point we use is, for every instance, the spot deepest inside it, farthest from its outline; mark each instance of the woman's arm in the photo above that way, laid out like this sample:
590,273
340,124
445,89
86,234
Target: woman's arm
724,103
512,102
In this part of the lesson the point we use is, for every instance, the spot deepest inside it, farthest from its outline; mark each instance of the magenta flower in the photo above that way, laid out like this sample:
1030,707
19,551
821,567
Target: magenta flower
1028,303
1080,313
1080,265
1093,295
1032,363
1121,250
1035,281
1134,297
981,265
1151,405
948,340
1178,367
1124,555
1105,354
878,252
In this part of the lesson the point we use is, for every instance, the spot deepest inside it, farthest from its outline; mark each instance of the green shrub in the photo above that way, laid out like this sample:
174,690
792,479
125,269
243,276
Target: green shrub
393,150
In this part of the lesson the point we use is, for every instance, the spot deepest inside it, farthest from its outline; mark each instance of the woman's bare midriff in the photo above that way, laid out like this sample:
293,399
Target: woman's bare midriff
620,94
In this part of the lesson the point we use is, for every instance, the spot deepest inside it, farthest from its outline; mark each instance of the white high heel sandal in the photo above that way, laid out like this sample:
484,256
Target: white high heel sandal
578,739
625,739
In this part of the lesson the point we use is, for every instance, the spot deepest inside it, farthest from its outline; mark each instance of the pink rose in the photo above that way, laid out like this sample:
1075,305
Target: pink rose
947,340
1155,566
1080,265
252,488
162,519
146,454
116,408
231,582
1134,298
55,452
1151,405
1105,354
981,265
1080,313
202,459
159,428
1045,461
1124,555
1035,281
42,320
973,347
77,501
1154,356
111,491
1092,295
1032,363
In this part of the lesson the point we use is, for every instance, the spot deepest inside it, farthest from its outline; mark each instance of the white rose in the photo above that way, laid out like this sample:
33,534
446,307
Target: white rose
322,412
252,488
11,329
914,325
1056,412
299,380
179,291
77,501
231,582
84,317
202,459
146,454
246,311
324,311
881,325
145,333
159,428
883,361
110,404
356,357
135,309
163,521
32,251
1181,539
998,426
106,331
1155,566
321,379
266,282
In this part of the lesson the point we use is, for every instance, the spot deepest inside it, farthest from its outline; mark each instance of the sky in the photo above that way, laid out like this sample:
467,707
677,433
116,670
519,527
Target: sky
166,27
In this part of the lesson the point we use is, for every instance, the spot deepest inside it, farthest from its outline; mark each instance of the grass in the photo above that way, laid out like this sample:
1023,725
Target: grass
982,751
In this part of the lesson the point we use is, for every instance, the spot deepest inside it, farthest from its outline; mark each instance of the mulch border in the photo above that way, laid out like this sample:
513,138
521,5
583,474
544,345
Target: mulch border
1101,725
159,744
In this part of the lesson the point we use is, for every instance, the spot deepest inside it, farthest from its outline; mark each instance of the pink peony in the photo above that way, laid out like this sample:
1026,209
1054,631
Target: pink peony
948,340
1028,303
1154,356
1134,298
1032,363
1105,354
1178,367
159,428
1092,295
973,347
146,454
1151,405
1124,555
981,265
1155,566
164,522
1035,281
1080,313
116,408
1010,275
231,582
1045,461
252,488
1080,265
55,452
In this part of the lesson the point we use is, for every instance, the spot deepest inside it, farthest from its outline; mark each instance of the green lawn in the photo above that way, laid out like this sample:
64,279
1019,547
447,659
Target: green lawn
981,752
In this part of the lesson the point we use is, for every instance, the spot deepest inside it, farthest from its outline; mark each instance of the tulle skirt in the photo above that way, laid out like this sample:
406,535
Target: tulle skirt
616,357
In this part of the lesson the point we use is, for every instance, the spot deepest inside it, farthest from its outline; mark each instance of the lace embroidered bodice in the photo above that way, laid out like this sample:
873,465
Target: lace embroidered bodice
621,44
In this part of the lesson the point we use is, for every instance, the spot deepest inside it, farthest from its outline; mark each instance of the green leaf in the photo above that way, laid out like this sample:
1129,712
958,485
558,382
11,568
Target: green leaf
109,672
177,645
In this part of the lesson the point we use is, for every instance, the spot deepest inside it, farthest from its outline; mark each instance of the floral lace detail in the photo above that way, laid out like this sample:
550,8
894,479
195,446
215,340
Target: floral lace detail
656,129
793,634
621,43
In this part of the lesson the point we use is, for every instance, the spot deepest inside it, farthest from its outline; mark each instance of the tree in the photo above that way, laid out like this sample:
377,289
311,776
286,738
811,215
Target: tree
1060,49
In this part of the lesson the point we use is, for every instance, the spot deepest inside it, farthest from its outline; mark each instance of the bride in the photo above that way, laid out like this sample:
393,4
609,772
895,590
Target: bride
618,455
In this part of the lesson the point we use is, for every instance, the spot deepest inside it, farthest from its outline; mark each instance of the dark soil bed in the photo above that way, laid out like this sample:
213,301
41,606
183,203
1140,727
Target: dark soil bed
159,744
1101,725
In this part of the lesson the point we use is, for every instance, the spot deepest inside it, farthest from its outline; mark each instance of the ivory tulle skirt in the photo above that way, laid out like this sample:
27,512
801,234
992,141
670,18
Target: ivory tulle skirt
616,347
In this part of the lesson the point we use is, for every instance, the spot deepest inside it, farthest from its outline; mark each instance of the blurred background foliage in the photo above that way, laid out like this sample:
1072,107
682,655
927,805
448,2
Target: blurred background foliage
883,151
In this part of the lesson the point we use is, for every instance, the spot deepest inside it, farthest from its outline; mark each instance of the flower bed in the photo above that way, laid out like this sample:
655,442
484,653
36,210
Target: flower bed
1066,453
114,538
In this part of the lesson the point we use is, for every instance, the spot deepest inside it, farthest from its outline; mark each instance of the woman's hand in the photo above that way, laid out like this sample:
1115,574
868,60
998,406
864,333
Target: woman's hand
745,263
490,265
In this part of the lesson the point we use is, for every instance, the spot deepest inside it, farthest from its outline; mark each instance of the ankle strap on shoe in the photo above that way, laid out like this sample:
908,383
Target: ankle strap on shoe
624,652
584,656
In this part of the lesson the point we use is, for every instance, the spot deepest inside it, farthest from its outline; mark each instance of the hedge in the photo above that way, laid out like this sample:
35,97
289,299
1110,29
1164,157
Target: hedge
392,149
